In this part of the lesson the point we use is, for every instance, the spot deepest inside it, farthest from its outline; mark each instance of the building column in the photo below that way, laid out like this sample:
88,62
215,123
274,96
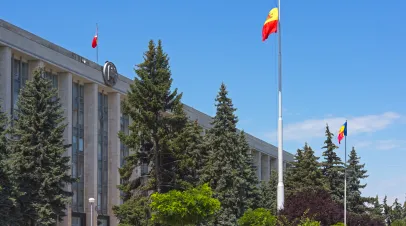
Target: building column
65,95
90,149
5,79
34,65
114,116
265,170
257,163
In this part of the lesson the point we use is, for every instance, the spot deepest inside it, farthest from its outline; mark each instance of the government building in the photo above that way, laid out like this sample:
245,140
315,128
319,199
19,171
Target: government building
91,95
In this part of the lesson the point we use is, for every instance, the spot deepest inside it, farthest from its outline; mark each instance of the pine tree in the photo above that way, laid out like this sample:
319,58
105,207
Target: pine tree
225,164
192,155
269,193
387,211
157,121
377,208
396,213
250,187
355,173
35,149
332,168
306,172
404,210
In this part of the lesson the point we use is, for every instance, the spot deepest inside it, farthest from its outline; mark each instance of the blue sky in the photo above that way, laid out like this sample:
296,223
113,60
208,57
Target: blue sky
341,60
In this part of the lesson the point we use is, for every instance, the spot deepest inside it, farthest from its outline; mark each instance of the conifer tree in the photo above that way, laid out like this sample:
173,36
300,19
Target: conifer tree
35,151
355,173
396,213
404,210
269,194
377,207
157,121
387,211
305,173
225,165
332,168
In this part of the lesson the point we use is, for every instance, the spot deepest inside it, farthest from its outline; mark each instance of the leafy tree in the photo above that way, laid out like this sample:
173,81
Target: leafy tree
399,223
35,149
318,204
332,168
396,213
269,194
257,217
387,211
225,167
306,173
190,207
355,173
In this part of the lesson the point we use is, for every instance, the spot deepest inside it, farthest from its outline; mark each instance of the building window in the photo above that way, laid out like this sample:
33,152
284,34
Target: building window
78,147
103,221
78,219
102,167
19,74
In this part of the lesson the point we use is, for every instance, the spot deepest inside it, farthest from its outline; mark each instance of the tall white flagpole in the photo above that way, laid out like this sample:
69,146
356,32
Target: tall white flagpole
281,189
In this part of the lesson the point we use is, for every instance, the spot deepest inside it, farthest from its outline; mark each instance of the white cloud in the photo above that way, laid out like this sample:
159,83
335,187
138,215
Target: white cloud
315,128
383,145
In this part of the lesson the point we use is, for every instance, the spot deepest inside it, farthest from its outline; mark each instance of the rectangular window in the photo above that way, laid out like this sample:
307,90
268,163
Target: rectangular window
78,219
53,78
19,74
102,154
77,147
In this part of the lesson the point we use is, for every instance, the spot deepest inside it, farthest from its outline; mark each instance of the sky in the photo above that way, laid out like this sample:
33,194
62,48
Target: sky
341,60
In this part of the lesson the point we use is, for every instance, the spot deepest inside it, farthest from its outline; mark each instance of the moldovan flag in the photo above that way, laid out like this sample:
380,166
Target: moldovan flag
342,132
94,41
271,24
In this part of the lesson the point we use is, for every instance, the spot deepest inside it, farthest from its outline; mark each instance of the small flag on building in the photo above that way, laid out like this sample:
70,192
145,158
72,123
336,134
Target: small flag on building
271,24
342,133
94,41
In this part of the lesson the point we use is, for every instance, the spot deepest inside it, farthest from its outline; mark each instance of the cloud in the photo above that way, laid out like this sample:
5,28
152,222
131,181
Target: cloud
315,128
383,145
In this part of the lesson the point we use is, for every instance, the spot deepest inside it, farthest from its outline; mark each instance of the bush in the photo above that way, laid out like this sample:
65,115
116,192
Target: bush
399,223
338,224
363,219
257,217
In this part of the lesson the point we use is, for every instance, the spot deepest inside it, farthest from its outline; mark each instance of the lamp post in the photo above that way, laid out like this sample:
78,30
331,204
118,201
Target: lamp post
91,201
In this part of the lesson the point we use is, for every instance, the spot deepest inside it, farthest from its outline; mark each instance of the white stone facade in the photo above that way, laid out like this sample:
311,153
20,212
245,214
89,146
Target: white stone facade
93,113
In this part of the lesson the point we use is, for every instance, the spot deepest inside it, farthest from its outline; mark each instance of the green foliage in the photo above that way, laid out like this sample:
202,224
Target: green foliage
228,169
269,193
355,173
338,224
257,217
377,208
35,153
309,222
305,173
333,168
386,211
399,223
397,211
134,212
189,207
157,119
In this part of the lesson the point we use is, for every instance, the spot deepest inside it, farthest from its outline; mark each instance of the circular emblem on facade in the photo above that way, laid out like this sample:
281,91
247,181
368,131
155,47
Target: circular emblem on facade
110,74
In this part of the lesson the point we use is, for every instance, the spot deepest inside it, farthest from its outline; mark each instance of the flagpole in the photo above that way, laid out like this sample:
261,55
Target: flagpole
345,178
97,47
281,192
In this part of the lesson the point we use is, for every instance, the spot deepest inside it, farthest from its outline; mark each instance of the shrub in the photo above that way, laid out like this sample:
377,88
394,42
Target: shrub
257,217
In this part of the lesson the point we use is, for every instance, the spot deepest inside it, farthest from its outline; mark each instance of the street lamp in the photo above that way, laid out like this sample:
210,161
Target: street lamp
91,201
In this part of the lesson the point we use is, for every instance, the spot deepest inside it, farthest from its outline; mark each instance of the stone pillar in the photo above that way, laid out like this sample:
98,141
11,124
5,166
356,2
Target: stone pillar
114,114
257,163
32,66
5,79
265,167
65,95
90,149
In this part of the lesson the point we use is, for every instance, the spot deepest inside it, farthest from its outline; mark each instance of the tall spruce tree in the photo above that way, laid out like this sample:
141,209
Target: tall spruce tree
35,153
157,120
269,194
9,213
225,166
333,168
387,211
306,172
404,210
377,207
355,173
396,213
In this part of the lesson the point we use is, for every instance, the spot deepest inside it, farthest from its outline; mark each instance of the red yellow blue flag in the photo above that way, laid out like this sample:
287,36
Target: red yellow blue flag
342,132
